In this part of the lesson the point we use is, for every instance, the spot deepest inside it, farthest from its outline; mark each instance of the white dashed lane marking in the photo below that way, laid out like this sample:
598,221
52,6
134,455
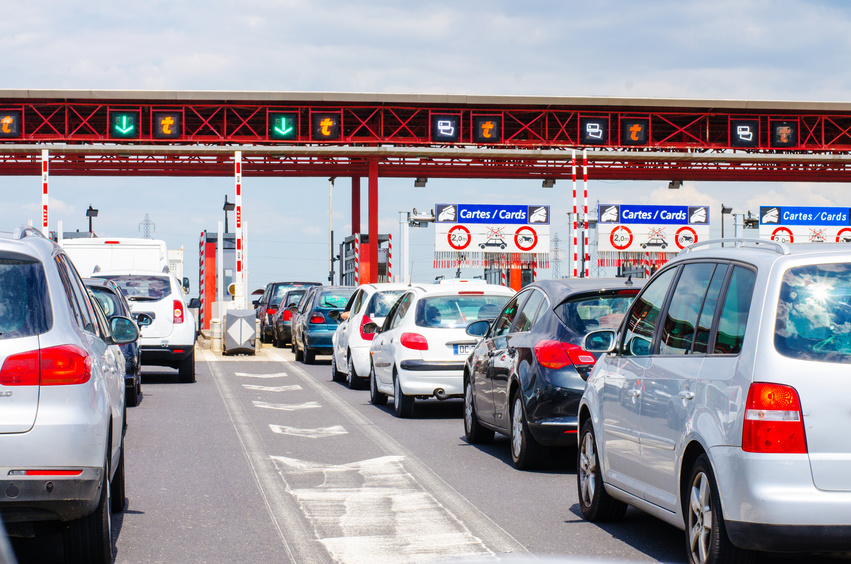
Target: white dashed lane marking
287,406
292,388
309,433
251,375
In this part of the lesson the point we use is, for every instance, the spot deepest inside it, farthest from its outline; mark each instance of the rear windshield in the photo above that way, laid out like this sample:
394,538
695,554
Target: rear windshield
582,314
108,301
294,297
142,288
24,301
381,302
282,289
458,311
334,299
814,313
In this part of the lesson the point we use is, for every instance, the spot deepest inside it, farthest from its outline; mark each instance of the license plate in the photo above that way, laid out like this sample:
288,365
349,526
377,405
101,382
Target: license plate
464,349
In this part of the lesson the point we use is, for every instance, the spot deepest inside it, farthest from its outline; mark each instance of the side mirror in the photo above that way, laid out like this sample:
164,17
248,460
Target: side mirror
371,328
123,330
478,328
255,303
185,285
602,341
194,303
334,314
143,319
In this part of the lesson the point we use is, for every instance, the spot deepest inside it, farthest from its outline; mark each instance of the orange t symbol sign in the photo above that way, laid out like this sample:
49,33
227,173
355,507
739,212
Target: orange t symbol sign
487,127
634,130
326,125
7,123
166,124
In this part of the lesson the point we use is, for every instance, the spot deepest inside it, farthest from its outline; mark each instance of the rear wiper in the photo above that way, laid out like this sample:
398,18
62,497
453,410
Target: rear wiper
143,299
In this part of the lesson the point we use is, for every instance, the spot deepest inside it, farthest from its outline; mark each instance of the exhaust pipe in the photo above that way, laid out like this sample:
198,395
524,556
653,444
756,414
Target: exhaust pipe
440,394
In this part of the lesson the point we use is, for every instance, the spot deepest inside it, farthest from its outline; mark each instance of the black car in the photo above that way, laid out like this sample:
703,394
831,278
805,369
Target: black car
526,376
268,304
282,320
114,304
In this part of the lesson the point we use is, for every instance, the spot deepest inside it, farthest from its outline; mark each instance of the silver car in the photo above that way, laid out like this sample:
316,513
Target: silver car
722,406
61,399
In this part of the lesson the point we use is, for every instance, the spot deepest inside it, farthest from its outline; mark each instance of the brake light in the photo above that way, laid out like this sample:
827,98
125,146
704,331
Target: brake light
178,311
365,336
65,365
414,341
53,472
287,315
20,369
774,422
555,354
468,293
317,318
627,292
270,311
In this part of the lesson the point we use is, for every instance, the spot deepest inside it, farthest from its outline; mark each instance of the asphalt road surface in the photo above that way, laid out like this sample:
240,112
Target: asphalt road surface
265,459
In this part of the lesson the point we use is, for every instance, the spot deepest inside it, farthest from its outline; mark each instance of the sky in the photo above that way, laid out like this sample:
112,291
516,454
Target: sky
736,49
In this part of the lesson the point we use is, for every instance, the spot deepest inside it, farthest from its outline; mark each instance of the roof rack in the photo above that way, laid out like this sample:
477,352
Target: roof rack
21,232
779,248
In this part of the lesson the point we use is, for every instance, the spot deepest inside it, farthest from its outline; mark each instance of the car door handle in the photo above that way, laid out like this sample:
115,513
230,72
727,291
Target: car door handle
686,395
634,393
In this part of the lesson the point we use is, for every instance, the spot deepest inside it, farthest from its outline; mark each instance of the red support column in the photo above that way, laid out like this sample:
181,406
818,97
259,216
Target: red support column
355,204
373,221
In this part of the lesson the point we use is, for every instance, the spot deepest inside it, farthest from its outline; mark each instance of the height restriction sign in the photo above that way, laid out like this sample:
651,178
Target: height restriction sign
459,237
621,237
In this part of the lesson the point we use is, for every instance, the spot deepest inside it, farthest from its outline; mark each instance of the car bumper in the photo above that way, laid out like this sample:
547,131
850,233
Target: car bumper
762,493
319,341
49,498
426,377
166,356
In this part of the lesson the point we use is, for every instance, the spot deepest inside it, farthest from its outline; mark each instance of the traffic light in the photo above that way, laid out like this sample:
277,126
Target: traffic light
283,125
10,123
168,125
124,124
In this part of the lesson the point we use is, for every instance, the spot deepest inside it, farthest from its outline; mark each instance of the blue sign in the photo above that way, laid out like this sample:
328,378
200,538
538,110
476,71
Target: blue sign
653,215
803,215
492,213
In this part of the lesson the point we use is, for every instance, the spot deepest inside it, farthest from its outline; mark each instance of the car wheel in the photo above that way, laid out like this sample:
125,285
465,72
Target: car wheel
375,397
299,354
336,375
131,396
706,533
292,345
403,406
186,370
473,430
352,378
309,355
594,501
526,452
117,494
89,539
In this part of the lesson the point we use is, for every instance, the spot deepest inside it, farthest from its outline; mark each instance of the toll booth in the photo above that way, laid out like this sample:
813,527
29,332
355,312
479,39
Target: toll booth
515,277
208,272
354,251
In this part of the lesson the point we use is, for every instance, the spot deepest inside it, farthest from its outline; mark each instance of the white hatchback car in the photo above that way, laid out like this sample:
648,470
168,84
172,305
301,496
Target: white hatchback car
369,303
421,347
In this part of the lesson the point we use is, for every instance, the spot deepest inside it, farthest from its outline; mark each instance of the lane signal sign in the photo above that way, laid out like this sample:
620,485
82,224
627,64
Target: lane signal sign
168,125
10,123
634,131
445,128
124,125
593,131
744,132
784,134
283,125
326,127
487,129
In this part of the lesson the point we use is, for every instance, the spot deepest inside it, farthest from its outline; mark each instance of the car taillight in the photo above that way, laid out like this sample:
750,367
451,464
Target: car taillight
287,315
774,422
317,318
178,311
414,341
65,365
270,311
20,369
555,354
365,336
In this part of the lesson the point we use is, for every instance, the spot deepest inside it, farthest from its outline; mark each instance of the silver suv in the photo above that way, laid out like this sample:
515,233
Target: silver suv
61,399
722,406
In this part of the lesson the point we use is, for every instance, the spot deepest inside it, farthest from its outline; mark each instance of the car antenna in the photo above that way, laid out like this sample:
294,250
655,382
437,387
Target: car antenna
411,275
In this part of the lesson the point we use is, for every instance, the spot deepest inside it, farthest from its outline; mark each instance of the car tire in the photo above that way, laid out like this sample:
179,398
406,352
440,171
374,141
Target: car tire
309,355
707,543
89,539
594,501
474,431
403,406
299,354
336,375
526,452
375,397
131,395
292,345
186,370
118,495
353,381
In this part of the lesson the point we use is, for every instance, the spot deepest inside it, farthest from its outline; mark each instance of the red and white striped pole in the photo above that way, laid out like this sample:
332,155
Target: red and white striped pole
389,256
357,259
575,219
238,289
586,259
45,157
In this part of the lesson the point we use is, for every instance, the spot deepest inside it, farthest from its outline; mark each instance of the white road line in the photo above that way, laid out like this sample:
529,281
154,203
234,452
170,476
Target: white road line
287,406
317,433
296,536
252,375
480,525
293,388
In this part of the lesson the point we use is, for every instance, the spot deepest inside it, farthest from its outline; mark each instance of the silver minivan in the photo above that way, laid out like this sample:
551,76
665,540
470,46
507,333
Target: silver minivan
62,413
721,405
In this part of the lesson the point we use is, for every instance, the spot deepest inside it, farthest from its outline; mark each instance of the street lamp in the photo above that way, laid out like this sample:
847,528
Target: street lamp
90,213
724,211
229,206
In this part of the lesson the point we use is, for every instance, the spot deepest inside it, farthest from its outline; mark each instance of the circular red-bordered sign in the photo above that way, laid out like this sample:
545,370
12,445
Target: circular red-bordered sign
685,236
846,238
457,234
621,237
782,233
523,242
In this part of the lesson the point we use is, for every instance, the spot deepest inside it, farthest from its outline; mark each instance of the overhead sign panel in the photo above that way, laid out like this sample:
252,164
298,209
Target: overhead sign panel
168,125
445,128
635,131
593,130
487,129
10,124
325,126
124,124
805,224
646,228
283,125
491,228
